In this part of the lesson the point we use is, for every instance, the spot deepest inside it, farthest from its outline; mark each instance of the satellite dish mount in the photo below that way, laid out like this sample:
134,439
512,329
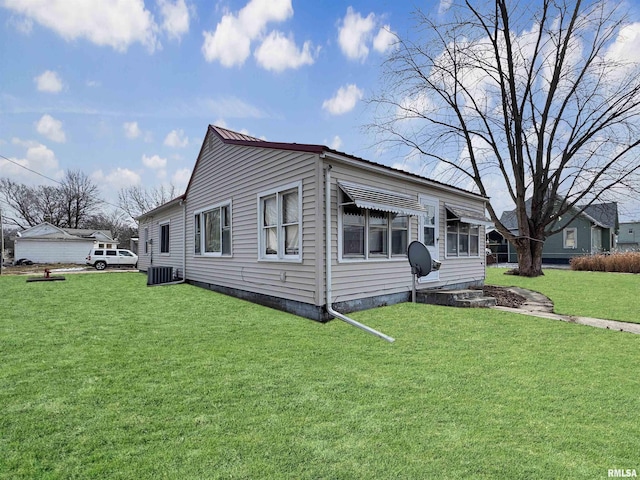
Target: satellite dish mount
421,264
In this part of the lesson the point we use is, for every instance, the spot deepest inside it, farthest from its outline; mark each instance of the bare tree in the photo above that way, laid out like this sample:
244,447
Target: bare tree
80,196
65,205
532,98
137,200
117,222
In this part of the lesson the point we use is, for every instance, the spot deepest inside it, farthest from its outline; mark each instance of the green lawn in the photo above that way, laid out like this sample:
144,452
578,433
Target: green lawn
612,296
103,377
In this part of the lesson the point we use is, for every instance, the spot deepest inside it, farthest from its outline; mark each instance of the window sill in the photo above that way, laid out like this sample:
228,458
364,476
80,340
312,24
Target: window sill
279,260
372,260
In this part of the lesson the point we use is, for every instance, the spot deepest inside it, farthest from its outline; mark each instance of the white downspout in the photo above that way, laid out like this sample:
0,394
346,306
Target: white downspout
327,230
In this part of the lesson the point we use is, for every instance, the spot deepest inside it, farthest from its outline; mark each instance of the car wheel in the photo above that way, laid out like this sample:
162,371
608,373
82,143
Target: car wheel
100,265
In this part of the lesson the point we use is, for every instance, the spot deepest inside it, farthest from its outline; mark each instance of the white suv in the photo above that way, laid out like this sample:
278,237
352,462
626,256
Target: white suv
112,257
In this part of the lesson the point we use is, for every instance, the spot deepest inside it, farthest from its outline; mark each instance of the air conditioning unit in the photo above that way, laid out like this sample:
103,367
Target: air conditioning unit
159,275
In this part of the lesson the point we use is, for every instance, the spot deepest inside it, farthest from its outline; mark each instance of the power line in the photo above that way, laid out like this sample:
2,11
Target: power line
54,180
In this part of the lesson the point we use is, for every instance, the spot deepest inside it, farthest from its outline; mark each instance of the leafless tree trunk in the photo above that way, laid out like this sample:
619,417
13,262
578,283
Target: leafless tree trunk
531,99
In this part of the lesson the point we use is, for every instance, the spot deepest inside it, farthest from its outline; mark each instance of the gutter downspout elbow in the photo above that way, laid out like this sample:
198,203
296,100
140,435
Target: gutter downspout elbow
327,230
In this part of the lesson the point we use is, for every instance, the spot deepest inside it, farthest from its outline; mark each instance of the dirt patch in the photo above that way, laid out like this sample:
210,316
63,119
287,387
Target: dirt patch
504,297
36,268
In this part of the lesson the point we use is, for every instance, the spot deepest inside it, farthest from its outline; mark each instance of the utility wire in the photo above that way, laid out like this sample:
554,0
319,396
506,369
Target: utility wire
55,181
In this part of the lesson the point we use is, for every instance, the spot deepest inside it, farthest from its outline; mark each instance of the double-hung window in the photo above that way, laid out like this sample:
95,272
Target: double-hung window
280,223
164,237
570,238
212,230
367,234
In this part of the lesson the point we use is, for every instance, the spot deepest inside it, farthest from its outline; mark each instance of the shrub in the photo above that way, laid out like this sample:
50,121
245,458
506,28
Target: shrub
626,262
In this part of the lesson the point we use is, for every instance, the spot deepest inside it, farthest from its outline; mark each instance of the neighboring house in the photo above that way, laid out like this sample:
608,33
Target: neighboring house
594,230
252,223
629,237
46,243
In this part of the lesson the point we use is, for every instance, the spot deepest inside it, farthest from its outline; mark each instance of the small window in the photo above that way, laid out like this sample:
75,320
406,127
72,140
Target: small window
212,231
463,239
112,253
570,238
98,252
146,239
280,224
164,238
124,253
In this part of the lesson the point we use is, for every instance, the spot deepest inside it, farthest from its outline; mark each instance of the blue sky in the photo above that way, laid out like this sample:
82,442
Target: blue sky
126,94
124,91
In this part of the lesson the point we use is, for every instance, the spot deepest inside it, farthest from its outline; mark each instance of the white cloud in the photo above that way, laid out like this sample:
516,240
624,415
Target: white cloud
344,100
176,18
230,43
154,162
279,53
625,49
355,33
181,178
37,157
232,107
131,129
117,179
384,40
23,25
336,143
116,24
48,81
176,139
444,6
51,128
93,83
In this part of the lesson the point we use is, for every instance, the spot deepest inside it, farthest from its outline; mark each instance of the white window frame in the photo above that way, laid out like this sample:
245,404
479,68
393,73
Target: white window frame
446,238
168,225
281,256
200,214
390,257
565,234
435,249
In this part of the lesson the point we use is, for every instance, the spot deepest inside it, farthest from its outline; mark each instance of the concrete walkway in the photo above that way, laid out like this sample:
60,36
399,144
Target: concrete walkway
538,305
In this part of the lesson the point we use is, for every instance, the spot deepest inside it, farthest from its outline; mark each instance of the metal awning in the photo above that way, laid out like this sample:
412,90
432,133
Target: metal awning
377,199
469,216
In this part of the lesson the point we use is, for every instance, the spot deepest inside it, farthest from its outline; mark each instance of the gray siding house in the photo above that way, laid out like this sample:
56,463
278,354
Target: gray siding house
594,230
255,222
629,237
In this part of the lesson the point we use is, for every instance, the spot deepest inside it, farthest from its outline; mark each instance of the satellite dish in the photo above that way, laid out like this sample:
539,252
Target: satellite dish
419,259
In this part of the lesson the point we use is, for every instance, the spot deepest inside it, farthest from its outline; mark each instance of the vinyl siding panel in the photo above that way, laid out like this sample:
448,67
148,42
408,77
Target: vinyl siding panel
352,279
175,258
53,251
238,174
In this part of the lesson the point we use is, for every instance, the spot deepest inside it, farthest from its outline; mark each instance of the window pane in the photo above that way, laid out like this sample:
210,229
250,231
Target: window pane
378,236
452,243
212,231
290,207
291,240
430,216
474,243
352,230
353,240
226,220
196,234
429,236
463,244
399,234
271,241
226,241
399,242
270,211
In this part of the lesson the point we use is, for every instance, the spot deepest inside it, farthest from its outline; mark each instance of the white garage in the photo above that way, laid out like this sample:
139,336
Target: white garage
46,243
